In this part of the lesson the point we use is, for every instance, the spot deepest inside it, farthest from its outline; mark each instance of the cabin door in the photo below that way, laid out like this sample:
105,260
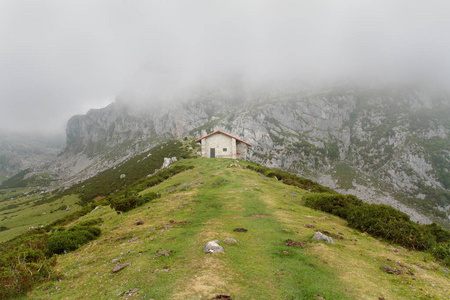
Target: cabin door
212,152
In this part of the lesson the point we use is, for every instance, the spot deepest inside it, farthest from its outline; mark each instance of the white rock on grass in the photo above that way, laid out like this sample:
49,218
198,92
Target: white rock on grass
319,236
213,247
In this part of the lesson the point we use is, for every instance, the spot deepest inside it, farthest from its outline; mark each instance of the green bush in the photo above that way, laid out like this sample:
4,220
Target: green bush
336,204
393,225
23,262
384,222
291,179
442,236
442,252
127,203
71,239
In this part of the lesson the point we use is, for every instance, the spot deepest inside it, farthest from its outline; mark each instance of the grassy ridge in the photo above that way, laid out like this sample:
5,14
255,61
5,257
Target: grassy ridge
206,203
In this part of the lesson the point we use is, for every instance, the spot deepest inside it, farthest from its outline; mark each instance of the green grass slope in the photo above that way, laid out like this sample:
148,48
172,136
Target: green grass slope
22,205
22,208
207,203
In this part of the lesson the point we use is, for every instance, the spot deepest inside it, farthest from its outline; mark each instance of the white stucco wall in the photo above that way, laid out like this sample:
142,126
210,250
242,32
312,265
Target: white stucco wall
219,141
242,149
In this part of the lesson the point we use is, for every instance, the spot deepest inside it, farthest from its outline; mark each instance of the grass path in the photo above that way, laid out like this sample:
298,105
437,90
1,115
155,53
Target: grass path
206,204
260,266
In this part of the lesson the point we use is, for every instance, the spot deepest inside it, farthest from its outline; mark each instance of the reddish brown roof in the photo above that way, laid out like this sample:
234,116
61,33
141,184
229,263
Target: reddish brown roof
220,131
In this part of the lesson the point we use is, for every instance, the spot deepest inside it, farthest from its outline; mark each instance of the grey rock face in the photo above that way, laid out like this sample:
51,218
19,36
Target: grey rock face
168,161
319,236
213,247
381,145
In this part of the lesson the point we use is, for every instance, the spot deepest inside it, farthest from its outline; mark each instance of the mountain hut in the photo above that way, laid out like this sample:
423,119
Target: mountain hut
223,145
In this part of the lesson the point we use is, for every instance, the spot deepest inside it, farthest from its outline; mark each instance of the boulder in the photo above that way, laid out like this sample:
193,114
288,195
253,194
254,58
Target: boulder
213,247
319,236
168,161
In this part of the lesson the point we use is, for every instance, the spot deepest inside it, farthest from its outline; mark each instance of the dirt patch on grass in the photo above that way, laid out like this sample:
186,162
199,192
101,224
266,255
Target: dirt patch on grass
259,216
222,296
292,243
210,280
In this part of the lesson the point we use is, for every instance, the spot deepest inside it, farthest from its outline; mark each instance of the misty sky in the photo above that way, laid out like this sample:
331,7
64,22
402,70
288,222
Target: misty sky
59,58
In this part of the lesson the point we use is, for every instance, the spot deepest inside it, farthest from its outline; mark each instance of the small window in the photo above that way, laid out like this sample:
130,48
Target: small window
224,149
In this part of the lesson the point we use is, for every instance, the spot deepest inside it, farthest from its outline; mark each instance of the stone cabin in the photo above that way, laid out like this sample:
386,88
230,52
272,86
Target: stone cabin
223,145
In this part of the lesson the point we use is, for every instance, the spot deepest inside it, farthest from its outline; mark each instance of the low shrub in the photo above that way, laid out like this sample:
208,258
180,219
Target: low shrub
384,222
442,236
71,239
336,204
388,223
291,179
23,262
127,203
442,252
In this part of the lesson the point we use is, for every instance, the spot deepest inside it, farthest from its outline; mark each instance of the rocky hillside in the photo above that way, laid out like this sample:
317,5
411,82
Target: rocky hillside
384,145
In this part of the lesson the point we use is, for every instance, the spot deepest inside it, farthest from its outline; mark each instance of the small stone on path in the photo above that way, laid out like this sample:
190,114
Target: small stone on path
213,247
390,270
119,267
164,252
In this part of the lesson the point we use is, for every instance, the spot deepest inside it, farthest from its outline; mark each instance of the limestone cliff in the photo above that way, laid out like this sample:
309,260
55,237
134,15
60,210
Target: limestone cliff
385,145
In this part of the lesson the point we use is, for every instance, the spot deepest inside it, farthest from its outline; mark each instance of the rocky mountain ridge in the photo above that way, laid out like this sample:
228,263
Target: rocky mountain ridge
383,145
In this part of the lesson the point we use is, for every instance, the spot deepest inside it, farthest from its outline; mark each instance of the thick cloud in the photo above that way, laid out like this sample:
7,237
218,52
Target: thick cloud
58,58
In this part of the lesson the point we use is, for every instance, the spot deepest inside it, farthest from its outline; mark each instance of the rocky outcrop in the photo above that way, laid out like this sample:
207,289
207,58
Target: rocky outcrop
382,145
168,161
